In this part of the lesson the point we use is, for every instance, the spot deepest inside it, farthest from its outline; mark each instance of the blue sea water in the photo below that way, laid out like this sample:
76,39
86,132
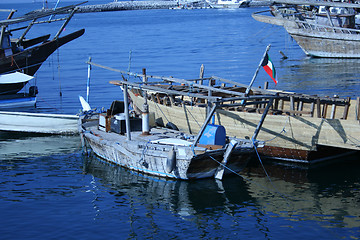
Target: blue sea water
49,190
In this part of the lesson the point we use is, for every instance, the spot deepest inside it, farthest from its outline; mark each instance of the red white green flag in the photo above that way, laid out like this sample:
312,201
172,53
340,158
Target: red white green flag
269,68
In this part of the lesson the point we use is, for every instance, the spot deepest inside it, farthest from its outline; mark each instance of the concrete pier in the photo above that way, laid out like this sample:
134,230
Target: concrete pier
140,5
127,5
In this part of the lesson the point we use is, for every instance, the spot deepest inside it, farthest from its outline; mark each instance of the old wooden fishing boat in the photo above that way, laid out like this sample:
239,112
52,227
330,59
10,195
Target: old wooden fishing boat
27,55
130,142
322,29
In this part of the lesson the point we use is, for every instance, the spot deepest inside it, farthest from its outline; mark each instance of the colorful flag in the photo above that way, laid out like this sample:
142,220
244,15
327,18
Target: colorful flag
269,68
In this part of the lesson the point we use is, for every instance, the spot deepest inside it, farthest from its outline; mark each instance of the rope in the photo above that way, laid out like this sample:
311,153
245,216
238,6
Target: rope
267,175
192,116
48,103
283,130
354,141
156,104
247,179
58,67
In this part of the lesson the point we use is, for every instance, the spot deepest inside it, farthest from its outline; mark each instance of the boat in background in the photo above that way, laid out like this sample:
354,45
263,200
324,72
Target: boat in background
10,85
229,3
321,28
27,55
13,82
43,123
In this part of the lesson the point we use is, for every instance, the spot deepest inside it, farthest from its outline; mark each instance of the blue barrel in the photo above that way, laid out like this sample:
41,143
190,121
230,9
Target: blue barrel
213,135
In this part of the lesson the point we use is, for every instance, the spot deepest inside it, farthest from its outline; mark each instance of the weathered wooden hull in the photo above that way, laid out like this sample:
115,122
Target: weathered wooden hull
286,137
321,44
151,158
318,40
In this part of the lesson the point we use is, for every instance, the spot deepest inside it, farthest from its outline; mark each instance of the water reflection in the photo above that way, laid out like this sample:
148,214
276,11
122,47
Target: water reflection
328,197
322,76
20,145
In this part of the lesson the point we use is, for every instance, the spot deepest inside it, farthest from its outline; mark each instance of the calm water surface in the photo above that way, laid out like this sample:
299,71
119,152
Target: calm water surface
49,190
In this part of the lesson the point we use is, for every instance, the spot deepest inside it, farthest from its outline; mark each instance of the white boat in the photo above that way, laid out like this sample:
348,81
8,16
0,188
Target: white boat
229,3
38,123
10,85
13,82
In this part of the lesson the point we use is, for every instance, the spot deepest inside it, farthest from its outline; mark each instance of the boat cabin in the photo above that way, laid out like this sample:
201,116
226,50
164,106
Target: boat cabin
6,49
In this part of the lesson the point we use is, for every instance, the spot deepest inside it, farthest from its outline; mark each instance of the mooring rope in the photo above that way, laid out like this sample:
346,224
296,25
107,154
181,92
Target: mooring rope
156,104
58,67
283,130
191,115
243,177
354,140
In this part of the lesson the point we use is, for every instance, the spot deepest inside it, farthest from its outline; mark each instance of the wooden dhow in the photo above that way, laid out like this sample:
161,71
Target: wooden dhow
27,55
299,128
322,29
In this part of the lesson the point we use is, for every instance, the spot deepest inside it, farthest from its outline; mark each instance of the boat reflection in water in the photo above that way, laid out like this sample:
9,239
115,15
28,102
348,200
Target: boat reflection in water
340,74
327,197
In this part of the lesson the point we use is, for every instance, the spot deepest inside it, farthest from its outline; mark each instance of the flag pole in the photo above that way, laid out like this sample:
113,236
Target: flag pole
257,71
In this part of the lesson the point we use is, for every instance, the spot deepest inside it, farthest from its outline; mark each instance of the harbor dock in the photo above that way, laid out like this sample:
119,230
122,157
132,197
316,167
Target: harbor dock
143,5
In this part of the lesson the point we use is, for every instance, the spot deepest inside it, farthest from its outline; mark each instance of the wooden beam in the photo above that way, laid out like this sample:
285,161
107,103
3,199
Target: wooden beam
159,89
346,108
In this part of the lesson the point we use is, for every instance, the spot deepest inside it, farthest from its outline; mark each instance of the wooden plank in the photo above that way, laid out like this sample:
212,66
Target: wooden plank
324,111
292,104
357,110
318,107
201,75
312,108
346,108
162,90
168,79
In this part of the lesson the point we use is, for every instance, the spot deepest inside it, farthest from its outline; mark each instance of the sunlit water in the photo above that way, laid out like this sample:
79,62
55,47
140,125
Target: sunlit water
49,190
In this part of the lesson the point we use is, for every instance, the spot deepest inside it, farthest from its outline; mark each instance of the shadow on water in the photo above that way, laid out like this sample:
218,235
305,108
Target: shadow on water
327,196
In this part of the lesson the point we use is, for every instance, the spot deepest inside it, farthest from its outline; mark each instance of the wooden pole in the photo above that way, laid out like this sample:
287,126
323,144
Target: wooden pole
201,75
357,110
170,79
292,105
318,108
257,71
209,95
257,130
65,23
346,108
127,116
